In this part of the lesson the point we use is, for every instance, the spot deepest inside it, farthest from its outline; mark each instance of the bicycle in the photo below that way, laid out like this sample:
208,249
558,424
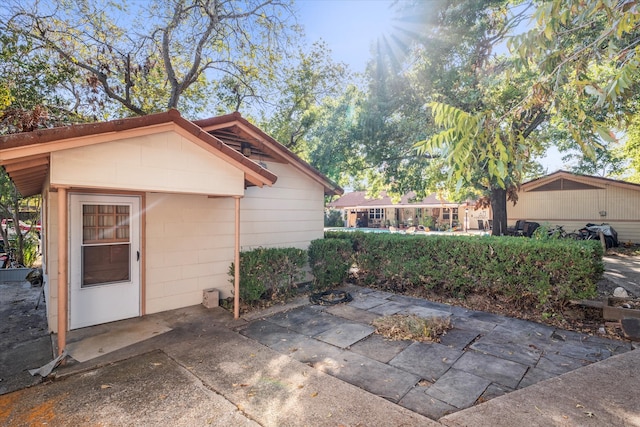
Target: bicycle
8,260
559,233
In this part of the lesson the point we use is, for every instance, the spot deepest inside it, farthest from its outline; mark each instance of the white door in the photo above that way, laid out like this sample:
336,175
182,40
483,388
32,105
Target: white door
104,269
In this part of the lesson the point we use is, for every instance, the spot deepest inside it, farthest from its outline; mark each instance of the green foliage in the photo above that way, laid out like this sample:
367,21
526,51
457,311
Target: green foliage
330,260
30,250
31,84
587,58
334,142
528,272
333,218
632,148
269,272
301,92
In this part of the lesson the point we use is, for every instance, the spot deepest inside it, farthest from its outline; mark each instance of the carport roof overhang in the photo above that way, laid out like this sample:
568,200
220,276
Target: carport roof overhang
26,156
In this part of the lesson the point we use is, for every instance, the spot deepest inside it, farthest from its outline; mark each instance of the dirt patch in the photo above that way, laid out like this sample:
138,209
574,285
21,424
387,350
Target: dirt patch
411,327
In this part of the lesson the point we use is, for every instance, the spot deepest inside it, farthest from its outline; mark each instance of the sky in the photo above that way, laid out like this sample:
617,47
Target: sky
349,27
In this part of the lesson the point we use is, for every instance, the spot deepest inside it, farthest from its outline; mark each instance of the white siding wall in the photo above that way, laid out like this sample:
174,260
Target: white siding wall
289,214
573,209
190,239
190,244
164,162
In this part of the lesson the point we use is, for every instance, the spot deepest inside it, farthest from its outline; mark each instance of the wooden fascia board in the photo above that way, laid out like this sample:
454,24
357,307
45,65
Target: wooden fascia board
38,170
601,183
27,164
540,182
221,125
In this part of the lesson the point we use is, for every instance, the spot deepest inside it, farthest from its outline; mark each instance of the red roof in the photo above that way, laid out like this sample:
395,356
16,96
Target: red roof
359,199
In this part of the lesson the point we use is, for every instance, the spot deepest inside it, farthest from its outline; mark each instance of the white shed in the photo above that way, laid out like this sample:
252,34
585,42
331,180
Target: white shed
140,215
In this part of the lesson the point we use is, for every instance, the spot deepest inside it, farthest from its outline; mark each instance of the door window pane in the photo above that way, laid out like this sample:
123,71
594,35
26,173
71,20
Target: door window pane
106,249
105,264
105,223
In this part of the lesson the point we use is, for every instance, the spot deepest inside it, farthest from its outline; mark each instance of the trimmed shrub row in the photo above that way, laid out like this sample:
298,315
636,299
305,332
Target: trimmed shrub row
542,273
269,272
546,273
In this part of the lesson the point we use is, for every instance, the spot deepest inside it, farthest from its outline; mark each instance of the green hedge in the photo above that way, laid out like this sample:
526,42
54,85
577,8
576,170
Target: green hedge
269,272
330,260
545,273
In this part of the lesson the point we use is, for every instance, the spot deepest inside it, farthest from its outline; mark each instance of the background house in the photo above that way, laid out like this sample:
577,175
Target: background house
570,200
140,215
361,211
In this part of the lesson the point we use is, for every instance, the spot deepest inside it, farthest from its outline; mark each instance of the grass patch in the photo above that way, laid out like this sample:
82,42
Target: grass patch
411,327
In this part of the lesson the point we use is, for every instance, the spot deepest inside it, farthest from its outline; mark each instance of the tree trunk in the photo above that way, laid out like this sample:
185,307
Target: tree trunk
499,209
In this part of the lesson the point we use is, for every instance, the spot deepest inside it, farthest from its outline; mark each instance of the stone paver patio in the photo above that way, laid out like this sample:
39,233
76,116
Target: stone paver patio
483,356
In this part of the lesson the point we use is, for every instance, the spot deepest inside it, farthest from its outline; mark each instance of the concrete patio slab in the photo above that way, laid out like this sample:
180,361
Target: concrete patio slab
486,317
346,334
496,346
601,394
458,388
428,360
365,302
535,375
472,324
379,294
268,333
378,378
380,348
426,312
421,302
275,390
16,361
388,308
419,401
494,369
524,329
558,364
458,338
306,320
310,351
149,387
351,313
493,391
591,354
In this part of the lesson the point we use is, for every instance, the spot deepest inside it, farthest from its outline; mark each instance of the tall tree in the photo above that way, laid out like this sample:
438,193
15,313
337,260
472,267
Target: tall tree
334,142
392,118
476,99
298,94
158,54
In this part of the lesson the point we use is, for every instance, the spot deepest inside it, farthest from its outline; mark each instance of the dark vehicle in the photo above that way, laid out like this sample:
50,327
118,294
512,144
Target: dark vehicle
592,232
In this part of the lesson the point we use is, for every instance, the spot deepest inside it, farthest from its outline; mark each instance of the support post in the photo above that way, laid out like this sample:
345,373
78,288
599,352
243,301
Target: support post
63,288
236,272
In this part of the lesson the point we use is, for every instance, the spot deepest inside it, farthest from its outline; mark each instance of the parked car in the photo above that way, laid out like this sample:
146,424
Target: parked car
24,227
